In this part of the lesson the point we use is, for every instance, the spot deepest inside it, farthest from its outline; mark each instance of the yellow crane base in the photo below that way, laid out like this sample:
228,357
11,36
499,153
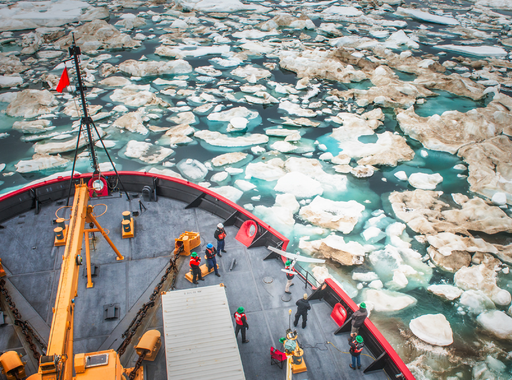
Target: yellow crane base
186,243
204,272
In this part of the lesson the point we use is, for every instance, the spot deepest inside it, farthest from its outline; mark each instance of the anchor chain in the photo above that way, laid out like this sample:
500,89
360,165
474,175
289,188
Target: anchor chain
26,329
133,373
141,314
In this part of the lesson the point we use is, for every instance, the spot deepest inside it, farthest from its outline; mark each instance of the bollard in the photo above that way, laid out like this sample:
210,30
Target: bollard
59,235
126,215
126,226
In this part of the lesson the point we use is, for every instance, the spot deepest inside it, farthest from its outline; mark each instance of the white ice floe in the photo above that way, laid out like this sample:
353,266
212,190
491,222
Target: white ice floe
287,201
342,11
250,73
271,170
33,14
295,109
192,169
481,51
244,185
496,322
166,172
220,139
448,292
40,162
233,113
228,158
425,16
298,184
399,39
191,50
401,175
340,216
220,177
335,248
499,199
433,329
479,277
147,152
365,277
132,122
387,301
154,68
425,181
31,103
7,81
476,301
229,192
56,146
219,6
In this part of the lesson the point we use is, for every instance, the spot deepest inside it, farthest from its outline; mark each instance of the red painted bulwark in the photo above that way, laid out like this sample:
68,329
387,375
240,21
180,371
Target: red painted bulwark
373,331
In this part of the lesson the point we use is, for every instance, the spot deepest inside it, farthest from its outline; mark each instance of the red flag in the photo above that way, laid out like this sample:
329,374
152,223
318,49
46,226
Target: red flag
64,80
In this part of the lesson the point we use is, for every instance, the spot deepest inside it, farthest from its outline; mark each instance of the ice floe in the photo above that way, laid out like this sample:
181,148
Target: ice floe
483,51
387,301
433,329
219,139
425,181
425,16
335,248
147,152
448,292
40,162
497,323
31,103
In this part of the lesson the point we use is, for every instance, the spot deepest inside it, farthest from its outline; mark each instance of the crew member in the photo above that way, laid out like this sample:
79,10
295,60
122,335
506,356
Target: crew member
220,235
302,311
358,318
210,258
356,346
289,277
241,323
194,265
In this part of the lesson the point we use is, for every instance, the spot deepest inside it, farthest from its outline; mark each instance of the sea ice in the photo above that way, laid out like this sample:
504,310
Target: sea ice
287,201
32,103
7,81
364,277
496,322
448,292
342,11
433,329
229,158
425,16
132,122
40,162
340,216
154,68
479,277
147,152
425,181
233,113
387,301
335,248
196,171
481,51
219,139
166,172
476,301
269,171
216,6
250,73
220,177
55,146
244,185
298,184
401,175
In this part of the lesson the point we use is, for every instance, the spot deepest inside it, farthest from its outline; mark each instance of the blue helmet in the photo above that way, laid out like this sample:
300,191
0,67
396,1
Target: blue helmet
209,245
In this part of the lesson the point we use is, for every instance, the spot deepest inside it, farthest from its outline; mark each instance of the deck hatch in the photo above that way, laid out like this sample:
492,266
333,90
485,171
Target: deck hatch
199,336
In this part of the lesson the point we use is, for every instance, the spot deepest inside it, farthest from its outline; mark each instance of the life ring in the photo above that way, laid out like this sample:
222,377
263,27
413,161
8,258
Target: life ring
339,314
97,186
247,232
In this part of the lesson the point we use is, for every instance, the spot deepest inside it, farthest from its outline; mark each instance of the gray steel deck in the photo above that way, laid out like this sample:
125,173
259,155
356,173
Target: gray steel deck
33,265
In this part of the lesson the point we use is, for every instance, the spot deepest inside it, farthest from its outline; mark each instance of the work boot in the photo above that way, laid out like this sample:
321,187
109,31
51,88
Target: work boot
201,279
288,292
216,274
304,326
295,324
245,341
224,251
350,365
195,282
358,367
218,254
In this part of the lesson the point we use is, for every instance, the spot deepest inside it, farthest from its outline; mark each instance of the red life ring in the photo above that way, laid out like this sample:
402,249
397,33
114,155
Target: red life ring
339,314
247,232
98,186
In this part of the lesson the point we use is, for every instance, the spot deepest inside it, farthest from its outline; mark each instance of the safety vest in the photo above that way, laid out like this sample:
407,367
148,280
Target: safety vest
288,275
210,253
238,318
222,235
358,348
194,261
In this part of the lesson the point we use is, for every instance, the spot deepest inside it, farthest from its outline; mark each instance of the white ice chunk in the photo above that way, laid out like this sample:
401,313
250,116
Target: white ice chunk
425,16
193,169
229,192
425,181
244,185
497,322
448,292
298,184
219,139
433,329
387,301
481,51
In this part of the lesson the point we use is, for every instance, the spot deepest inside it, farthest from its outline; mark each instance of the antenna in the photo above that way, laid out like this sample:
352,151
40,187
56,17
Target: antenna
86,121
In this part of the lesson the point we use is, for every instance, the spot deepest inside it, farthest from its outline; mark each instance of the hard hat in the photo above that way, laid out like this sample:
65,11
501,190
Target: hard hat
209,245
362,305
288,262
220,225
359,339
193,254
281,340
240,309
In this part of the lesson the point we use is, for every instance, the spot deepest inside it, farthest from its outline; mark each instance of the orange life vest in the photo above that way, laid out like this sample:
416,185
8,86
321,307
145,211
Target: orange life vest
238,318
358,348
222,235
209,253
194,261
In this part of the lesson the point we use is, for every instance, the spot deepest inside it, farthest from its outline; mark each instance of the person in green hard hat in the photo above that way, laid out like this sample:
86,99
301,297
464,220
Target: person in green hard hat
289,276
358,319
356,346
241,323
194,265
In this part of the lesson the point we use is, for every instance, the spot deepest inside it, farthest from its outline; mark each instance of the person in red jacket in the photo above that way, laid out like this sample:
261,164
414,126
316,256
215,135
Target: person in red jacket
220,235
194,265
356,346
241,323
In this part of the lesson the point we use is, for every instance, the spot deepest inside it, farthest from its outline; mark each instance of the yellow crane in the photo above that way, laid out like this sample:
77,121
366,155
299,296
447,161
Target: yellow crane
58,363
